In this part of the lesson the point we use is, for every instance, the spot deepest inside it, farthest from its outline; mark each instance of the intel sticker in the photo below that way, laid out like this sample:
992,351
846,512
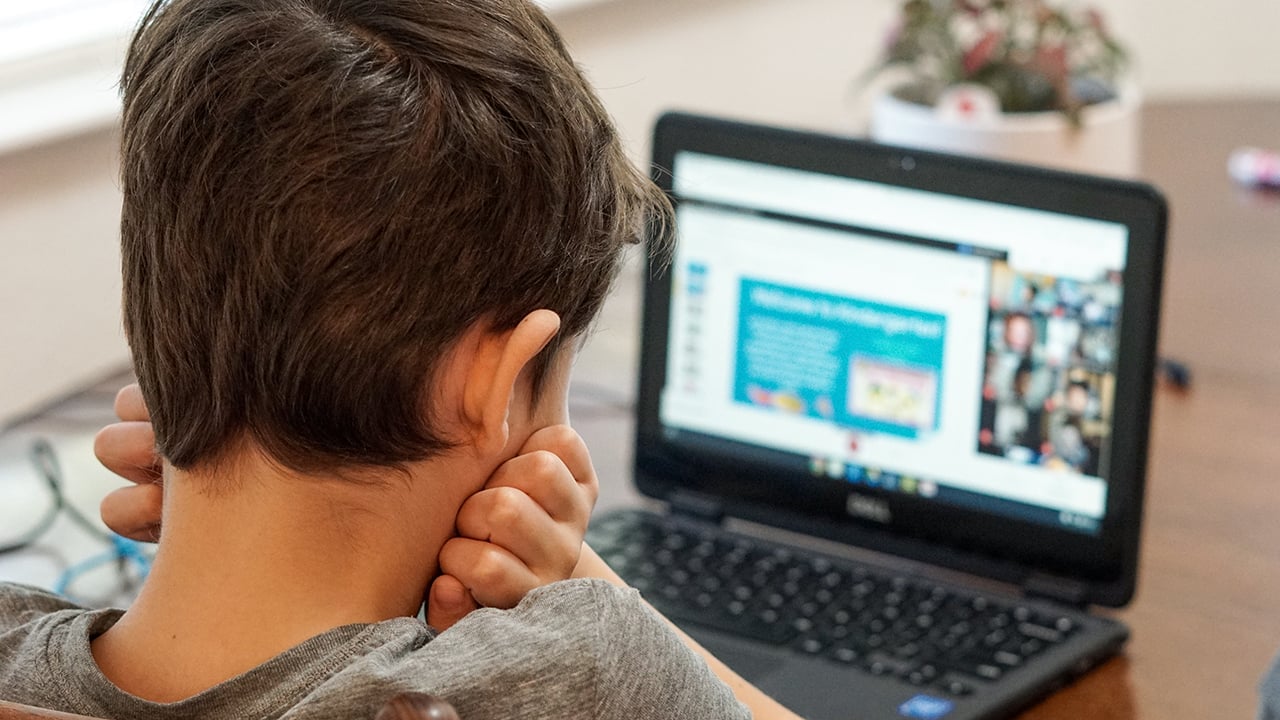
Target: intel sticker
926,707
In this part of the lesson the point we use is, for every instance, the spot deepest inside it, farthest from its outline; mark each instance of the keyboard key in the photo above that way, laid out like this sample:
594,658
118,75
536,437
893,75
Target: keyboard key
990,672
879,667
1008,659
811,646
845,655
1040,632
915,677
907,650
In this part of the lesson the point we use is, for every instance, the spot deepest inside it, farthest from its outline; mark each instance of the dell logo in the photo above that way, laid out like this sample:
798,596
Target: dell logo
868,508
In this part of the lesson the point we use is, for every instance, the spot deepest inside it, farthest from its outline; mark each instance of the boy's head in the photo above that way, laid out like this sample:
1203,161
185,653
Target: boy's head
322,196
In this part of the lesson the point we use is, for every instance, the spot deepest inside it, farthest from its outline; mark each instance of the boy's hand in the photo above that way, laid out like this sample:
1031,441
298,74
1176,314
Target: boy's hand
128,449
523,530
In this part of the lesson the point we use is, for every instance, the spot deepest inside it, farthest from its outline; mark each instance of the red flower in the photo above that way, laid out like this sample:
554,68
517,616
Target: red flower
1052,61
980,54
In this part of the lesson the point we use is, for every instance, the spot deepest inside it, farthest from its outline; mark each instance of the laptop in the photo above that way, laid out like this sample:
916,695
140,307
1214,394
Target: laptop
895,406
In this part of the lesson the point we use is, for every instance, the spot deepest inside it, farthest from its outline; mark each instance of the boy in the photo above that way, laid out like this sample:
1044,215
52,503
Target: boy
360,239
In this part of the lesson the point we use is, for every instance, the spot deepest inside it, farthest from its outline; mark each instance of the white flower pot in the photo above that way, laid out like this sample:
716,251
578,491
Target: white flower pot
1106,143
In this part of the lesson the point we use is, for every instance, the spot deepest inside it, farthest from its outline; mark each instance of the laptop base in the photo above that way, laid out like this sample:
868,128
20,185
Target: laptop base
888,639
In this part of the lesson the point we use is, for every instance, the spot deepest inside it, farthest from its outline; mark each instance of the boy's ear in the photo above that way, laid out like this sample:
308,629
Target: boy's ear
496,364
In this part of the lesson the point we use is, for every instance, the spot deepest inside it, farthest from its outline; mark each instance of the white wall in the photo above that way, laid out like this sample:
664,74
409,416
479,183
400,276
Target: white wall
784,61
59,268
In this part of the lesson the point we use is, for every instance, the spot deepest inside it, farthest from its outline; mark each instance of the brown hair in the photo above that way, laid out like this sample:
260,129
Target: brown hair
321,196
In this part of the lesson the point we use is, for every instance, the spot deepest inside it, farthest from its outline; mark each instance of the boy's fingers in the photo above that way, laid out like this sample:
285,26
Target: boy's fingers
128,449
129,404
565,443
544,477
512,520
448,601
494,577
134,511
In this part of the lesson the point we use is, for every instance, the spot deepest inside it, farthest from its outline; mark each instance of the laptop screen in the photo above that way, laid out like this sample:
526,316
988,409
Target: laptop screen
957,350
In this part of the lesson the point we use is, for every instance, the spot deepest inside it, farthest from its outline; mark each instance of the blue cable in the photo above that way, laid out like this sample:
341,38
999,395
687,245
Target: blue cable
123,552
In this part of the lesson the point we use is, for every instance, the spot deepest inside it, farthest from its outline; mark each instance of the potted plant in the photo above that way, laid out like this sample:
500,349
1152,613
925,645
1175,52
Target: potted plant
1023,80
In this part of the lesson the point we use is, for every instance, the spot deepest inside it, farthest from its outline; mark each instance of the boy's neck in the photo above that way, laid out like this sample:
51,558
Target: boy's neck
267,561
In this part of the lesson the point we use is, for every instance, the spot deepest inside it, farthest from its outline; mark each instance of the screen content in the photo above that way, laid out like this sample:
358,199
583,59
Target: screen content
948,348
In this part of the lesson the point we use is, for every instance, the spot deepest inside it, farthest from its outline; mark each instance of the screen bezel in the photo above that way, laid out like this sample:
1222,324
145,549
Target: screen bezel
995,545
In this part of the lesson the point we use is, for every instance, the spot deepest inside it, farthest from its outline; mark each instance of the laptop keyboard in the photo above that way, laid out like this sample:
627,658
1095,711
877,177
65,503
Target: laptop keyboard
843,612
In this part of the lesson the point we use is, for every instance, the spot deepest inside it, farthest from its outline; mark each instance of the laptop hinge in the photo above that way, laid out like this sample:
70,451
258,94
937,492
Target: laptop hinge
1058,589
695,505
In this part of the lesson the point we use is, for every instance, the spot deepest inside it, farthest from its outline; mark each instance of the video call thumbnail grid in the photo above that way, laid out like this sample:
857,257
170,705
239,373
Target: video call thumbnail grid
1050,379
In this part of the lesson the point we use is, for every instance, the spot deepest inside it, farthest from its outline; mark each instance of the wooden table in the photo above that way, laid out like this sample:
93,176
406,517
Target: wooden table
1206,620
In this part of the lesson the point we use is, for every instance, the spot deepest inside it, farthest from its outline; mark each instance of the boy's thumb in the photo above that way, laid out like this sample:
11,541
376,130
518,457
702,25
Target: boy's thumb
448,601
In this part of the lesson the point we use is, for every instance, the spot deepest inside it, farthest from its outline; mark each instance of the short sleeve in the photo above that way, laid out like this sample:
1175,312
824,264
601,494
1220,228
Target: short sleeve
1269,693
21,604
646,671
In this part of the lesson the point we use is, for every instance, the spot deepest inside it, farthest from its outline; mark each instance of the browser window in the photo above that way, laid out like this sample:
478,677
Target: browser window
948,348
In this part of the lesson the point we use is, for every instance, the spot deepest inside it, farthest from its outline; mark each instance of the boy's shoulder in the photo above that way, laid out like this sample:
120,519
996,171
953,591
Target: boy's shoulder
23,605
33,622
542,658
574,649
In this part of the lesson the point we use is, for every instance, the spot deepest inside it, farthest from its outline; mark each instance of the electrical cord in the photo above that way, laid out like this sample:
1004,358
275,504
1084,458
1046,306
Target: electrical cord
47,467
45,458
123,552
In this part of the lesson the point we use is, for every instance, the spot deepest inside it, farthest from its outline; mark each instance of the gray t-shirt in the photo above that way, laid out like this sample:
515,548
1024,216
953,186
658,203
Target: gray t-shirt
1269,693
573,649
